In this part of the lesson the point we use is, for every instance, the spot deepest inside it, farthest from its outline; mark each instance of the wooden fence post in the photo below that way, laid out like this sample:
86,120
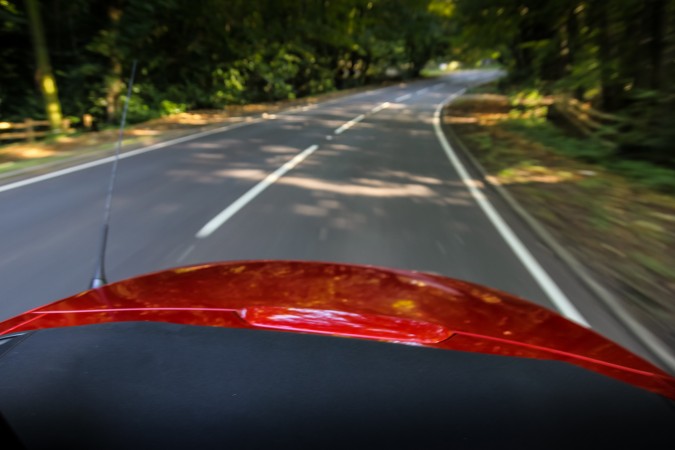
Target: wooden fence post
30,131
87,121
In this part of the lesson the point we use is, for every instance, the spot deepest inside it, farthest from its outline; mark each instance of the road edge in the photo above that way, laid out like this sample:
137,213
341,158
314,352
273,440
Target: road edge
73,161
553,292
652,342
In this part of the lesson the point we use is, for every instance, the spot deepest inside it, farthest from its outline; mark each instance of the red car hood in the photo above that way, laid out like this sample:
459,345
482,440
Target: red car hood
348,300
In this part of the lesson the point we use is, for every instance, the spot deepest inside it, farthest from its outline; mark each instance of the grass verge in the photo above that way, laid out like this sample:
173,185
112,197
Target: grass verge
618,217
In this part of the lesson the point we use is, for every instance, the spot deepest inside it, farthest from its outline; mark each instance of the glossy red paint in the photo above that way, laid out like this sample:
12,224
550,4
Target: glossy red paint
367,326
348,300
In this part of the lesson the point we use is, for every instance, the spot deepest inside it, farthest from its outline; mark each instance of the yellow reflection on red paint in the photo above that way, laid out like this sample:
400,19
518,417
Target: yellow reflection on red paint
486,296
404,305
188,269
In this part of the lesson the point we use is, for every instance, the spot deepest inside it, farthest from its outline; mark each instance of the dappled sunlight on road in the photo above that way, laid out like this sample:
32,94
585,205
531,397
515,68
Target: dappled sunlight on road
371,188
278,149
417,187
412,177
210,156
208,145
310,210
246,174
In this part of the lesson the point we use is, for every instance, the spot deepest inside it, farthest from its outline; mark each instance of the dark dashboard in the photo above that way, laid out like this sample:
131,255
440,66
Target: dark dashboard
158,385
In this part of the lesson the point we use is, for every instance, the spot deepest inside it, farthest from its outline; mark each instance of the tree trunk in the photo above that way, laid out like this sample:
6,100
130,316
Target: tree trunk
43,75
572,47
610,87
114,84
114,87
657,22
643,62
667,74
366,65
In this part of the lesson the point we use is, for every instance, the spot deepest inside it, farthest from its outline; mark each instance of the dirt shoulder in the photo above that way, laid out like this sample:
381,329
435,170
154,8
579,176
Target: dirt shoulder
622,231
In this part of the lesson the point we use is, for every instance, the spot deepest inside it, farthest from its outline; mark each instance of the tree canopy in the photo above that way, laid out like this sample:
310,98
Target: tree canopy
617,54
209,53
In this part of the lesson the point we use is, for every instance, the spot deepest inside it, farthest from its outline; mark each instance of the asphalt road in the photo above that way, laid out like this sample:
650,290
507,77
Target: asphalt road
362,179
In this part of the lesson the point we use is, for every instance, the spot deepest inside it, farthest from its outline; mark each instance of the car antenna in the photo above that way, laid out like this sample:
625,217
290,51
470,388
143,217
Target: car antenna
99,278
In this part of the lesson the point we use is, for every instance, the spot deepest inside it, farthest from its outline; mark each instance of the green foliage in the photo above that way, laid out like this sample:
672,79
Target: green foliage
167,107
648,174
229,87
539,129
615,54
656,265
526,97
139,109
536,128
211,53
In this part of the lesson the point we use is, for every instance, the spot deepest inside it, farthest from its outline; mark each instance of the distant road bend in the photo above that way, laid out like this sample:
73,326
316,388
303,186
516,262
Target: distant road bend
367,178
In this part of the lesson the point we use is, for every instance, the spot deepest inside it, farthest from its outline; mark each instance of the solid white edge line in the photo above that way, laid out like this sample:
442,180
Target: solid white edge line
351,123
129,154
549,286
222,217
422,91
402,98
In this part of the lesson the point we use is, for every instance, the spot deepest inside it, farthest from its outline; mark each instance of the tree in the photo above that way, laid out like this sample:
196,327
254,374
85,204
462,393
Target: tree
43,75
206,54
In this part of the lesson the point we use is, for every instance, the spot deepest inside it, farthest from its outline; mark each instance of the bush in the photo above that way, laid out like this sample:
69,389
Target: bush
167,107
230,86
139,110
587,150
648,174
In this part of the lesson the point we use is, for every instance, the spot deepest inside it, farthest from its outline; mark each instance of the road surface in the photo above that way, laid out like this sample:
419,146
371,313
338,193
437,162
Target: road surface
363,179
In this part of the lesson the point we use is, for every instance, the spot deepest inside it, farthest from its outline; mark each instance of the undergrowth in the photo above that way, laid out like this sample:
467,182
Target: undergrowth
530,120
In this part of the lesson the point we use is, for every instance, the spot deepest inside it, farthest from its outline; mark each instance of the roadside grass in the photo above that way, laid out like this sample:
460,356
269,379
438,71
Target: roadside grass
19,157
617,216
10,166
593,151
528,117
